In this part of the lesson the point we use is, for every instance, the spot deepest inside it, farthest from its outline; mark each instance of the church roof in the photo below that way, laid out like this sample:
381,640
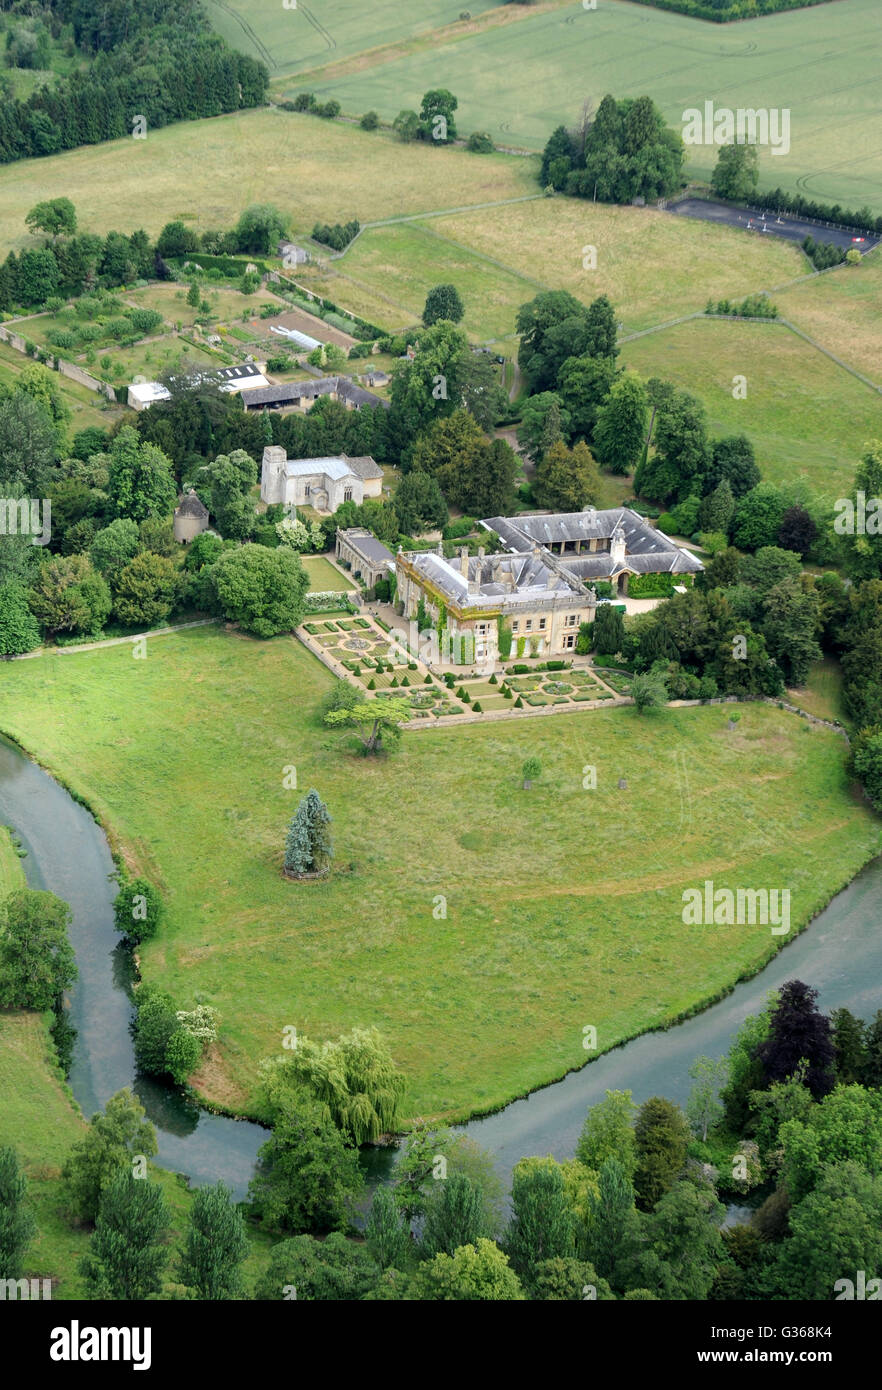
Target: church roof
335,468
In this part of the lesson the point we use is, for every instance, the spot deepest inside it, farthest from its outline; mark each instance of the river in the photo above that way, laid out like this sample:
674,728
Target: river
840,954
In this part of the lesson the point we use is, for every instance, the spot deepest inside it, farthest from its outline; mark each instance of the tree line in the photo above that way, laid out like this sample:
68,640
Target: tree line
789,1120
156,63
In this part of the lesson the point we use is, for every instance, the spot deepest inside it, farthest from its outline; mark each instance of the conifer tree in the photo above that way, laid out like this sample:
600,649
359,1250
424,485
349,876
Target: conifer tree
308,846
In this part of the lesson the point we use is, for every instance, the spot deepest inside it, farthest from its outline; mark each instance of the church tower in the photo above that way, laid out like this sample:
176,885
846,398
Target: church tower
272,474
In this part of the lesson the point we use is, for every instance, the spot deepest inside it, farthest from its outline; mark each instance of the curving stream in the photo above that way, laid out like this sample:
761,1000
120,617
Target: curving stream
840,954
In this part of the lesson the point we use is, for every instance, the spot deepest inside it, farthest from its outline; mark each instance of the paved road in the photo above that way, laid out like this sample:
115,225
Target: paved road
791,228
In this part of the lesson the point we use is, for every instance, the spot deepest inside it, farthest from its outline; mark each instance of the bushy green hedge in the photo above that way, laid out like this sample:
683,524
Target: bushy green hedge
654,585
736,9
225,264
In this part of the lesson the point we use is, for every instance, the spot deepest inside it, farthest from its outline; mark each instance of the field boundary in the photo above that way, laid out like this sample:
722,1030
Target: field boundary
782,323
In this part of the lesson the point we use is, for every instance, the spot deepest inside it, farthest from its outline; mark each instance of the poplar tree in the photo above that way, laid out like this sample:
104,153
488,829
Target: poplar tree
126,1254
16,1222
216,1245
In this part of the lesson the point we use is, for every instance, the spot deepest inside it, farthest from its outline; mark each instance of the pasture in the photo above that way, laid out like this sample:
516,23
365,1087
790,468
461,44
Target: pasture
807,417
545,930
842,310
651,266
519,80
314,170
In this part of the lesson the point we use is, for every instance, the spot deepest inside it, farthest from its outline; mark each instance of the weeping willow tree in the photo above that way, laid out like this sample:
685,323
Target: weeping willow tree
354,1080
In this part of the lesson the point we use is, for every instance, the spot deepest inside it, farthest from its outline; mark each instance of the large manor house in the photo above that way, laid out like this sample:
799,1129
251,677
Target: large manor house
534,578
539,587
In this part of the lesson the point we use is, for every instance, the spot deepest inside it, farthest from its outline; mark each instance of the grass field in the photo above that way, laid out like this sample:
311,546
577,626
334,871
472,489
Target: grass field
651,268
807,417
842,310
312,169
406,260
519,80
290,39
544,932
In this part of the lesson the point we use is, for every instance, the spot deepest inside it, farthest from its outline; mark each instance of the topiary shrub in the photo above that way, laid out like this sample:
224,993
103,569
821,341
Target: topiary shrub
476,707
372,684
519,704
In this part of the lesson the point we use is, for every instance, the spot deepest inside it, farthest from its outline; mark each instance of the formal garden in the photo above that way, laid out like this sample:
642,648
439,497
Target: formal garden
363,648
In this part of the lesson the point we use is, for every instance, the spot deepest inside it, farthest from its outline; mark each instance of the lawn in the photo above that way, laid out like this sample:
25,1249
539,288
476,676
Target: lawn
807,417
519,80
312,169
324,577
544,933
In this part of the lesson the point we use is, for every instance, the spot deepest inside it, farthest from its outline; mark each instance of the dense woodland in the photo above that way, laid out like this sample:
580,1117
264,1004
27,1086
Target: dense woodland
145,65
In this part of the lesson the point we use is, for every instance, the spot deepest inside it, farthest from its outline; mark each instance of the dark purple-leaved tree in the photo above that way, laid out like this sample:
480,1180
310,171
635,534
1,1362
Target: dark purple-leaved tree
799,1031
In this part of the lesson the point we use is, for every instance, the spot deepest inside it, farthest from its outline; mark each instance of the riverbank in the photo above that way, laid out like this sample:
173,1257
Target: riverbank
488,1002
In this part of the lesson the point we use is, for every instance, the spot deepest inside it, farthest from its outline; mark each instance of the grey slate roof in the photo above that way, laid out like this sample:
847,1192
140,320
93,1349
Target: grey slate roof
310,389
367,546
647,550
514,579
364,467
